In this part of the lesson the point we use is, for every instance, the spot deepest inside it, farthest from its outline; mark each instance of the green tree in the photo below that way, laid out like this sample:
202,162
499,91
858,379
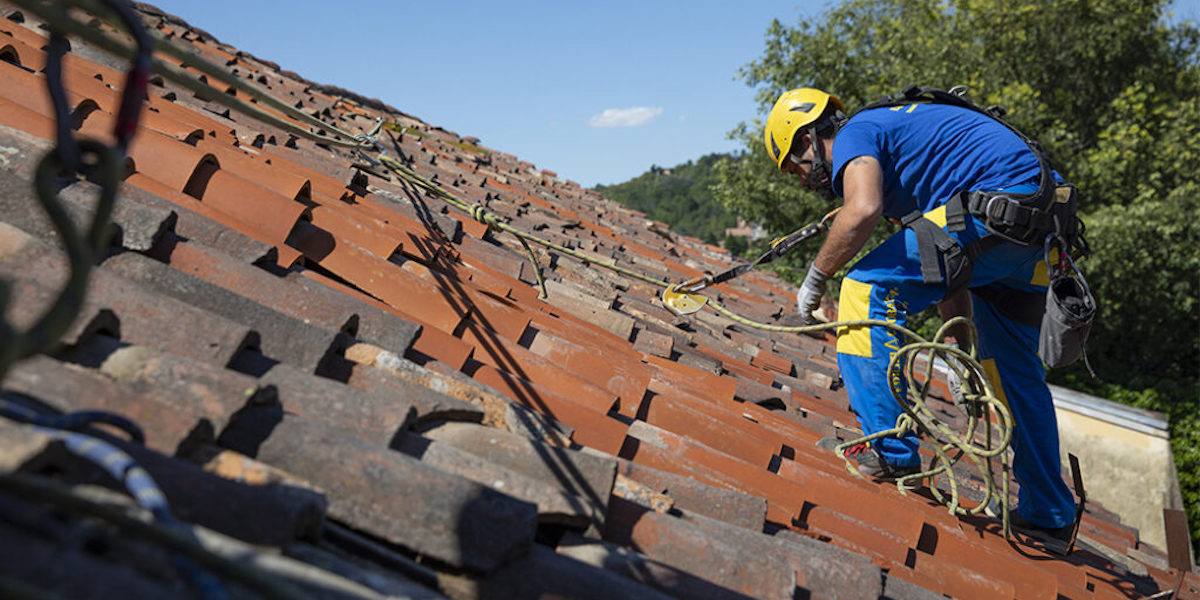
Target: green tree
680,196
1109,87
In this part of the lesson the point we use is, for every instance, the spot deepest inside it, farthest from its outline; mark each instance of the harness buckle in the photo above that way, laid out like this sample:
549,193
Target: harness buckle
996,211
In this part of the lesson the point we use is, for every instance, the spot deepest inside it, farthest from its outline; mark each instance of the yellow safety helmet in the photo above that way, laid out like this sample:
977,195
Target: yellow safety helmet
794,110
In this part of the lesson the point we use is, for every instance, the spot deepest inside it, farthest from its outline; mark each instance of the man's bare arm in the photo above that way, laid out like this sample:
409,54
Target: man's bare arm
862,180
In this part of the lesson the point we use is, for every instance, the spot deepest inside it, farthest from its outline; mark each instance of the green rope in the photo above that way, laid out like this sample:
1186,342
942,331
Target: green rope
80,248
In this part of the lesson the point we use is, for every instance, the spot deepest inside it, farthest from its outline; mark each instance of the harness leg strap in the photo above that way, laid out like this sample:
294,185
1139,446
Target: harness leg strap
938,251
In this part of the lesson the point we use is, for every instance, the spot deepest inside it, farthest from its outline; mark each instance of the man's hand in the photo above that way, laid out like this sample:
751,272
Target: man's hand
808,298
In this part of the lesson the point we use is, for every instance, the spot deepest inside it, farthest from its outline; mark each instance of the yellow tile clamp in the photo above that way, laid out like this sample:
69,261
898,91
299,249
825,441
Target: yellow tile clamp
685,299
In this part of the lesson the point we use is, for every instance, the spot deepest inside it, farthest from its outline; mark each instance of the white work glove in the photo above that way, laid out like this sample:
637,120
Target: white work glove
958,392
956,387
808,297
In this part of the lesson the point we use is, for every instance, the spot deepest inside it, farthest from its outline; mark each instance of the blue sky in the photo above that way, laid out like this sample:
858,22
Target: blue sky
596,91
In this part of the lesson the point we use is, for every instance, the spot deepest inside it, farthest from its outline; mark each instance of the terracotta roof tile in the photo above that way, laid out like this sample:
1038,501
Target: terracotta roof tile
364,385
119,306
593,429
732,562
280,337
68,388
512,358
399,498
296,297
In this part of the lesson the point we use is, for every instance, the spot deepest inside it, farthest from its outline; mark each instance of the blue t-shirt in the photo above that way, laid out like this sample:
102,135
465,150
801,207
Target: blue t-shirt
930,151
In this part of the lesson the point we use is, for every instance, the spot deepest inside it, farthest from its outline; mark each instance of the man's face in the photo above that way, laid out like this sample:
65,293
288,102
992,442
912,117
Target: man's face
799,162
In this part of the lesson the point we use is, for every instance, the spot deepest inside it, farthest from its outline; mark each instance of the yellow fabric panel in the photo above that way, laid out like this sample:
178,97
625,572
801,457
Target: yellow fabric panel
854,304
1041,273
993,375
938,216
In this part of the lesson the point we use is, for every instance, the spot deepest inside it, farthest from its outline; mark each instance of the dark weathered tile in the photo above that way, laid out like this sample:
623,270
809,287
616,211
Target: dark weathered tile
393,496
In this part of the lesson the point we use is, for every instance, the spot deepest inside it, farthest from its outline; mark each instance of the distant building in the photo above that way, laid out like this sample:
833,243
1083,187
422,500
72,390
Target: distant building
753,232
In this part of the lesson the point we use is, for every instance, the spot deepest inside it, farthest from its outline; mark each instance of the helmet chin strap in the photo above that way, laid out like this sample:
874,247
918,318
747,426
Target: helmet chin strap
820,176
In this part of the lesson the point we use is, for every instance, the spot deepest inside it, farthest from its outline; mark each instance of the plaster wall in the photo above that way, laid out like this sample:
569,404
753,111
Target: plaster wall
1130,472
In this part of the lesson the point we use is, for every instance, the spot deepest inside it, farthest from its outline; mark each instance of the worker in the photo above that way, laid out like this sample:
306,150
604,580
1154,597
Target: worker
907,162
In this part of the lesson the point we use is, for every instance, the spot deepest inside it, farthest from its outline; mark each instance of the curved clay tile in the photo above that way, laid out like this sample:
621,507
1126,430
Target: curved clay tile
278,180
23,34
366,233
269,215
185,132
21,118
9,54
84,109
26,89
197,182
165,159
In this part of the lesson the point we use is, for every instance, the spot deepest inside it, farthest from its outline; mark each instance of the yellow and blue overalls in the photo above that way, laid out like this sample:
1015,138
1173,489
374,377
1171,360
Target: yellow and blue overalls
927,154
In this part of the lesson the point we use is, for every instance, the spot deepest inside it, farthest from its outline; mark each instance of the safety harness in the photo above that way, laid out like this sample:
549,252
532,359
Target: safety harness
1023,219
1046,217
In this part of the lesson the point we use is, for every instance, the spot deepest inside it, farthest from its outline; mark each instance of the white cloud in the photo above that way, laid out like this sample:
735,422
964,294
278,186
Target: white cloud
625,117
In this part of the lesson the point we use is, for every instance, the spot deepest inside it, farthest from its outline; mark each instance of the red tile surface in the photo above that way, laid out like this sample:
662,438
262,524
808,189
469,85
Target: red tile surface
22,119
510,357
617,374
592,428
681,418
623,377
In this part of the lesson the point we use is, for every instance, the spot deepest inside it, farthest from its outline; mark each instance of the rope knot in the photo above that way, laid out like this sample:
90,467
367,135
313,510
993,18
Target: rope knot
479,213
905,424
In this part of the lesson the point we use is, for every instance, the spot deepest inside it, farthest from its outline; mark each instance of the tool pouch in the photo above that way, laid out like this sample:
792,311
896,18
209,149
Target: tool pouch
1067,321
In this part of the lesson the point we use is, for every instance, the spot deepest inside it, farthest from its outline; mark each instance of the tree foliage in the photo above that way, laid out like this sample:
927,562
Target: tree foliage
1111,88
680,196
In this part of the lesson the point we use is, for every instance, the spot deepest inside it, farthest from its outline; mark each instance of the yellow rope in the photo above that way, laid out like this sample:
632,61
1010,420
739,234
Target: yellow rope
919,418
948,446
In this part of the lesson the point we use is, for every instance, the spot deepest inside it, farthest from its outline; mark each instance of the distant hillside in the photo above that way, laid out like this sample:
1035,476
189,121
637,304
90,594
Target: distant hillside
678,196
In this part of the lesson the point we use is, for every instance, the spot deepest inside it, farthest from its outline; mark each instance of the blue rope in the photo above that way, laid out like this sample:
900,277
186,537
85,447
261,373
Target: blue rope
71,421
122,468
145,492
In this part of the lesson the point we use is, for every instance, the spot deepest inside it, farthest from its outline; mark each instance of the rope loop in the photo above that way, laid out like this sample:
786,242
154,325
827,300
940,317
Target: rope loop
480,213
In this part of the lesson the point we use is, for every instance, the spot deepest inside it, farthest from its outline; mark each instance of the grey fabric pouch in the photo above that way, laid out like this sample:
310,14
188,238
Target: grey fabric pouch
1067,321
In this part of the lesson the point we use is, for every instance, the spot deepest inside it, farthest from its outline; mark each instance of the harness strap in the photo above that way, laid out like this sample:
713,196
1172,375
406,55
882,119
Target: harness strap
932,242
1006,210
915,93
939,250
